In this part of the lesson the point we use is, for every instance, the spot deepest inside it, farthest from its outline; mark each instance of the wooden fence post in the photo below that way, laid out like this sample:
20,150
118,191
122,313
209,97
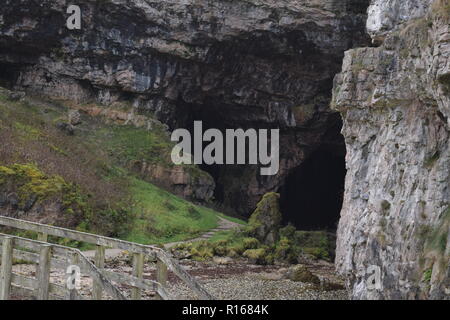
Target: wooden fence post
74,260
43,237
161,273
6,269
138,272
43,272
97,290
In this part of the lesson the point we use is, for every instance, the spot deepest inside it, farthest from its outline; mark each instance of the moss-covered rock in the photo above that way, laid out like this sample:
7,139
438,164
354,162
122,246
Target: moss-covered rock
264,223
288,232
256,255
286,251
435,258
32,186
300,273
220,250
251,243
202,251
232,253
318,244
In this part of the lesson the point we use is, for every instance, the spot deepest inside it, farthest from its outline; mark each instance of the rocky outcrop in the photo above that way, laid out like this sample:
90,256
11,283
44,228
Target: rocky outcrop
265,222
257,63
395,103
189,182
387,15
27,193
300,273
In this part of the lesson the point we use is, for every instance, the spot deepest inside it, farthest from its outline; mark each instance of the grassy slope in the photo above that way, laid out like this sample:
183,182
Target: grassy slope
162,217
96,158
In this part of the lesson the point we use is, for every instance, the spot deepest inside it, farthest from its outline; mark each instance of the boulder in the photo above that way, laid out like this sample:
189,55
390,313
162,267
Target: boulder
74,117
66,127
300,273
16,95
264,223
223,260
256,256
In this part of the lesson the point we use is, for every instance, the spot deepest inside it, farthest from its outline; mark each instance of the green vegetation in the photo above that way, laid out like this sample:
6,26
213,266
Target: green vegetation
234,244
90,175
262,241
233,219
437,238
267,208
162,217
434,260
427,276
128,144
265,221
32,185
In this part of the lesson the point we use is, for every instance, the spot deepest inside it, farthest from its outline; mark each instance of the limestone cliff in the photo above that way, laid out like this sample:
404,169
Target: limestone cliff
395,103
387,15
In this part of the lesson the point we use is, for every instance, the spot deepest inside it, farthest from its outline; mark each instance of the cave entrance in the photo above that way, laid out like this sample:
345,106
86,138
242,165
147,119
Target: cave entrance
8,75
312,196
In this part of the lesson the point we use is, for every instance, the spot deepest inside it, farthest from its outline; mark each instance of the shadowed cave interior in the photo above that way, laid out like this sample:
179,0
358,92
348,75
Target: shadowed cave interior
312,196
8,75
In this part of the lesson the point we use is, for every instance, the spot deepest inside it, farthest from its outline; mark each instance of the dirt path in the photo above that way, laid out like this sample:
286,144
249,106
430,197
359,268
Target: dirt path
223,225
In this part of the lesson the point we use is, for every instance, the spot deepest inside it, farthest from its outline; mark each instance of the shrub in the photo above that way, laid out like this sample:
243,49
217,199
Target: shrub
251,243
318,253
285,251
34,186
202,251
427,275
288,232
256,255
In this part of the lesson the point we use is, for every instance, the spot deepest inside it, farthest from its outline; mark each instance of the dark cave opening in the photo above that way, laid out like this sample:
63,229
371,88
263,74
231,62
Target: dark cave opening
312,194
311,198
8,75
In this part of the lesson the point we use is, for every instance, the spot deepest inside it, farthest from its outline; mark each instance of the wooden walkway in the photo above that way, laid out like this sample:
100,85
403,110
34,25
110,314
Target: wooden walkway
47,256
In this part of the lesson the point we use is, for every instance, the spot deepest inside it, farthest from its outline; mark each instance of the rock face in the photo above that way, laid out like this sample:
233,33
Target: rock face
195,185
257,63
387,15
265,221
395,102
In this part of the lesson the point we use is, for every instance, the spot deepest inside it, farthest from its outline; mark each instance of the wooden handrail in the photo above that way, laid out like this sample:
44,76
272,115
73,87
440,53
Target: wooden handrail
77,236
12,247
162,257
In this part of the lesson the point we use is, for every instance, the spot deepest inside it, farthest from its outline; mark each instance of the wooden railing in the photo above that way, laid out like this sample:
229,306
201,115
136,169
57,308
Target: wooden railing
46,255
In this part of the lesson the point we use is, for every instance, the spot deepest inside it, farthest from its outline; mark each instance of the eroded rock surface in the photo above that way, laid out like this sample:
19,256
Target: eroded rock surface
258,63
395,102
386,15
